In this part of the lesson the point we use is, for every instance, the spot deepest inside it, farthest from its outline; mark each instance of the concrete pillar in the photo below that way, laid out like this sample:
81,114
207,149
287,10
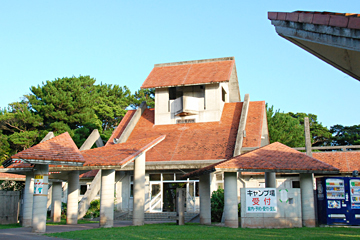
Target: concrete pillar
270,179
180,209
28,200
139,191
205,202
56,201
41,176
230,200
307,137
107,198
307,200
72,198
119,177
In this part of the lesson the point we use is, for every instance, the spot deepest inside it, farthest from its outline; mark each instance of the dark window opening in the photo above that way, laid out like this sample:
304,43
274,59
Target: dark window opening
83,189
223,95
295,184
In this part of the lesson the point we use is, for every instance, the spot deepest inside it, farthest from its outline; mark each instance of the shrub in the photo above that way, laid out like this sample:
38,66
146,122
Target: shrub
217,205
94,209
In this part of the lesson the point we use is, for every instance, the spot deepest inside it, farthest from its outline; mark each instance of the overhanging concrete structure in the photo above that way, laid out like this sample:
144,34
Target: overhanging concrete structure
332,37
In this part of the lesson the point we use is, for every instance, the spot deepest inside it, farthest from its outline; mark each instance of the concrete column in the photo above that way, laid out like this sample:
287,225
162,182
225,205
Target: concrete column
107,198
205,202
119,177
56,201
307,200
40,198
72,198
270,179
139,191
180,209
230,200
28,200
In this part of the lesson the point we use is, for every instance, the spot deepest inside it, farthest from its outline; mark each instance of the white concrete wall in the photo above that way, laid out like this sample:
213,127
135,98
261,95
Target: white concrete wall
209,107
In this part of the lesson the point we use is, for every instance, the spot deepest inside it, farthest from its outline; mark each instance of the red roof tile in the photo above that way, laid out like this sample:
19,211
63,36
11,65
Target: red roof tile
89,174
119,154
189,74
201,141
344,20
10,176
121,127
59,148
276,156
347,161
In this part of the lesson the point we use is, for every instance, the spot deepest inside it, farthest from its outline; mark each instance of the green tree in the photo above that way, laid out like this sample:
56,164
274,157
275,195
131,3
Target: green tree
345,135
141,95
320,135
20,125
284,129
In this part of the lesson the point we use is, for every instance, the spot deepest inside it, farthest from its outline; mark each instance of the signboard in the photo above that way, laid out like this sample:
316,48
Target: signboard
38,184
261,200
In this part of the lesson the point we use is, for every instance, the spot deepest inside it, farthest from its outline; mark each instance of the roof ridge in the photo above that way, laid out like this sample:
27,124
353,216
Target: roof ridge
194,62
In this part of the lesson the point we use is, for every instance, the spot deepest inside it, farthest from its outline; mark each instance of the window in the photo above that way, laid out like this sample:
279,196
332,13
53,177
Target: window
168,177
175,92
219,180
295,184
155,177
223,96
83,189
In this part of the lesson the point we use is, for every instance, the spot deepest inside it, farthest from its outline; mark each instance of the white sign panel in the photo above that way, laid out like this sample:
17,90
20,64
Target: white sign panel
261,200
38,184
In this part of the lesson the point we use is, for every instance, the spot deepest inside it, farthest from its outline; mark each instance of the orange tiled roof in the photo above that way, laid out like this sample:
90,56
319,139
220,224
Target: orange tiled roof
189,74
119,154
10,176
346,161
89,174
200,141
276,156
59,148
343,20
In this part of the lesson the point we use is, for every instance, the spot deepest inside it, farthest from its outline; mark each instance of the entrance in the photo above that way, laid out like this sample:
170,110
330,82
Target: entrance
169,197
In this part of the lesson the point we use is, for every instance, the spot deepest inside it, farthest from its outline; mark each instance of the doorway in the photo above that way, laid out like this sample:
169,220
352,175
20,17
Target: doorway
169,196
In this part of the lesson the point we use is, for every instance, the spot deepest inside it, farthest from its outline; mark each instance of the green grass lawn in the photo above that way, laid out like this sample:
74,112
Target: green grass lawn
195,231
14,225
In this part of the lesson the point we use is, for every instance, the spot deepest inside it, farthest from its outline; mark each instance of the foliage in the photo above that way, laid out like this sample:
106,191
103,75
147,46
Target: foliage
9,185
147,95
197,231
343,135
94,209
319,133
284,129
217,205
7,226
63,210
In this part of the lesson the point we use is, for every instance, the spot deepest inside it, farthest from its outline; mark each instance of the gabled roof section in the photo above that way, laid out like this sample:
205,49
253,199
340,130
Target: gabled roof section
119,154
190,73
347,161
200,141
275,157
59,150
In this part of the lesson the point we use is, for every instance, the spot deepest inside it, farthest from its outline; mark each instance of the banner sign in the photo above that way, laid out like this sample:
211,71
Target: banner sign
261,200
38,184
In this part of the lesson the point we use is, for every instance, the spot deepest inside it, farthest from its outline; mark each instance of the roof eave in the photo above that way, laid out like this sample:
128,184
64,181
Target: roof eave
181,85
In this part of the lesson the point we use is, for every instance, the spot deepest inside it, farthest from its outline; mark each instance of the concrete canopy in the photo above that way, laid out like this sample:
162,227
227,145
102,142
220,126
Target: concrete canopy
332,37
275,157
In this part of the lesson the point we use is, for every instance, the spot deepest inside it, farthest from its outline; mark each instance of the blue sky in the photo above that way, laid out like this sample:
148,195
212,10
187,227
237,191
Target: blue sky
118,42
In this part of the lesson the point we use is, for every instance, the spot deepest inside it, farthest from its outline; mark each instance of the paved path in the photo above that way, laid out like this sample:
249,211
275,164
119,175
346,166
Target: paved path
26,234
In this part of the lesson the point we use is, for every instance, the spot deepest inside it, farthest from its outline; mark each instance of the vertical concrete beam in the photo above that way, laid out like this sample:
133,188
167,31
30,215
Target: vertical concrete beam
94,137
180,209
270,179
307,137
230,200
40,200
139,191
56,201
107,198
72,198
307,200
131,125
28,200
242,124
205,202
47,137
